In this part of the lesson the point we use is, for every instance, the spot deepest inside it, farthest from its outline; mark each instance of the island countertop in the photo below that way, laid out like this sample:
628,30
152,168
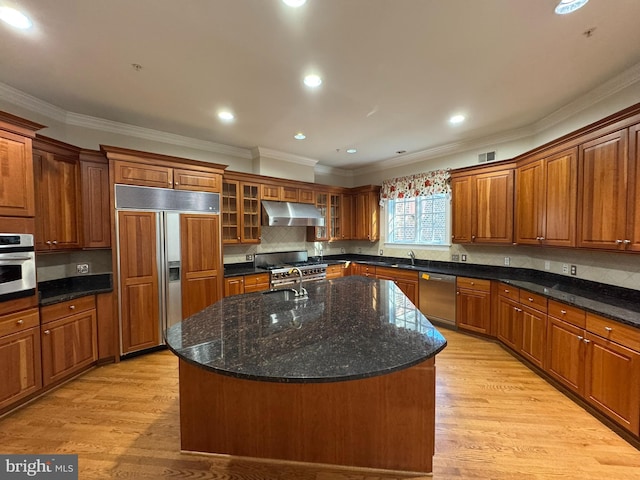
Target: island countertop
348,328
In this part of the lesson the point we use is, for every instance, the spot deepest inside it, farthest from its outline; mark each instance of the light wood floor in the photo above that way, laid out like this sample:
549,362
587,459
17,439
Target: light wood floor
495,420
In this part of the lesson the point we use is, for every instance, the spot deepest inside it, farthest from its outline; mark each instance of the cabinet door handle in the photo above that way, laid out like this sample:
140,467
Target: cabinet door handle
627,242
20,322
530,299
580,338
541,239
564,312
72,307
55,242
618,242
48,242
506,291
586,341
47,332
608,329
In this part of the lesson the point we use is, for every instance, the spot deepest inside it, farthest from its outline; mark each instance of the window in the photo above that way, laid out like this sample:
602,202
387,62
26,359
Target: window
419,220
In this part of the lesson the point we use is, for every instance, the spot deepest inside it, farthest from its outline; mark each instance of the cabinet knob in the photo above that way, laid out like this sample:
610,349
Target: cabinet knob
541,239
48,242
618,242
170,182
458,292
530,299
564,312
473,283
72,307
608,329
47,332
20,322
55,242
473,237
580,337
177,183
506,291
627,242
586,341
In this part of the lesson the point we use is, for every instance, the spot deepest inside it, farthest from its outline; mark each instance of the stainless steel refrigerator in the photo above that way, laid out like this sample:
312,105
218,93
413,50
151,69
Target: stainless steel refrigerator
169,260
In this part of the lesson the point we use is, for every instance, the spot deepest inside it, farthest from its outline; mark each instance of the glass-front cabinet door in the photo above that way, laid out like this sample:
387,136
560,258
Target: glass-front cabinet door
250,231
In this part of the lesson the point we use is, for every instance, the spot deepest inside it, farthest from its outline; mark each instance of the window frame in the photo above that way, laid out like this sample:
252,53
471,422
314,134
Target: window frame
389,211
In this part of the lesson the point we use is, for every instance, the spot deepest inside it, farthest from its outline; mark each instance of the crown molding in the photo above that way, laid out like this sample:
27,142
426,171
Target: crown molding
95,123
41,107
340,172
31,103
262,152
618,83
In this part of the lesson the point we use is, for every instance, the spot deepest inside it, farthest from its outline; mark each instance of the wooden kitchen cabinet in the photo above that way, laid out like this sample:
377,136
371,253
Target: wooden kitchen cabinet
201,258
69,339
473,305
363,270
233,286
241,212
603,192
306,195
17,198
257,282
366,209
20,364
321,234
407,281
521,322
166,176
546,194
335,271
482,205
96,215
633,193
340,217
270,192
58,195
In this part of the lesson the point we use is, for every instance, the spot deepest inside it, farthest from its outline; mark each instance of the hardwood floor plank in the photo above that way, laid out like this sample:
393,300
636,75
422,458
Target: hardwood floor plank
496,419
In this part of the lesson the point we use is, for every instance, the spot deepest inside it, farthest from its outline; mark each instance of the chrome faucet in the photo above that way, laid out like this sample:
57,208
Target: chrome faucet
321,252
301,292
413,257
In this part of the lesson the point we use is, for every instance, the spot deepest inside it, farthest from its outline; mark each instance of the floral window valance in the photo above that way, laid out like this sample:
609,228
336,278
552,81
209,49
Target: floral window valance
418,185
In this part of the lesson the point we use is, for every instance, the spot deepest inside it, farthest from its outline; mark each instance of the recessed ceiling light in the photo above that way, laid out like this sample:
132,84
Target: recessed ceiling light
294,3
351,150
15,18
300,136
226,116
568,6
457,119
312,81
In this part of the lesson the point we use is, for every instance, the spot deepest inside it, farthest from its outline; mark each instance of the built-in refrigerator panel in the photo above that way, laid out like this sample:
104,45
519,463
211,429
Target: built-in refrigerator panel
172,271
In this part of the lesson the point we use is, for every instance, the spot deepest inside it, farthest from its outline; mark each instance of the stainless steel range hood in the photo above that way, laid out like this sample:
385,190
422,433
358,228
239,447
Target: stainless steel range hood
289,214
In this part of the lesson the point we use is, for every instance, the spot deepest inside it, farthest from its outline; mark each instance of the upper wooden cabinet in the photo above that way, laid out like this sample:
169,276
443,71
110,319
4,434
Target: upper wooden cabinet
16,182
58,196
241,212
482,205
94,182
340,217
603,192
133,167
546,200
279,193
367,213
321,234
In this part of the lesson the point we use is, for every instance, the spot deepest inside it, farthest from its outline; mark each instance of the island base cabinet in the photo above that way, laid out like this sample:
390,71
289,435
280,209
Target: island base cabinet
359,423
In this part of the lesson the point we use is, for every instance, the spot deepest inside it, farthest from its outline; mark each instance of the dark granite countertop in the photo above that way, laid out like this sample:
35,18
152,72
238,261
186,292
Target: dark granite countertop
63,289
348,328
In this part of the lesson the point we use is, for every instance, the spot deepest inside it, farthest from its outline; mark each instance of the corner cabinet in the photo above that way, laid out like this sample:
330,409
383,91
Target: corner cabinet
58,195
16,182
482,205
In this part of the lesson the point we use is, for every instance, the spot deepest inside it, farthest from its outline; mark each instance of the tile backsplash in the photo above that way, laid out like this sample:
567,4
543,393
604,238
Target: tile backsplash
52,266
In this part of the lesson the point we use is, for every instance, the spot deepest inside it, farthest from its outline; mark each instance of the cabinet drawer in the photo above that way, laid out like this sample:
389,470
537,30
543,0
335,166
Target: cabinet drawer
509,291
64,309
533,300
615,331
253,280
474,284
573,315
16,322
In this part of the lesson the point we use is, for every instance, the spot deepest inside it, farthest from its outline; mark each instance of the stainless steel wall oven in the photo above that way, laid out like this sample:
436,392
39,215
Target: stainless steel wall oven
17,266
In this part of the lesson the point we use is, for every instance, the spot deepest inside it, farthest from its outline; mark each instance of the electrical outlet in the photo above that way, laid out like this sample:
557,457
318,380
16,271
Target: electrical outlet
463,257
380,252
565,268
455,257
359,249
574,270
547,265
341,250
249,257
507,261
82,268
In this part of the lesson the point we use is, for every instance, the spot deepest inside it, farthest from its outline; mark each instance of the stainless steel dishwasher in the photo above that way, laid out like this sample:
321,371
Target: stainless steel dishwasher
438,297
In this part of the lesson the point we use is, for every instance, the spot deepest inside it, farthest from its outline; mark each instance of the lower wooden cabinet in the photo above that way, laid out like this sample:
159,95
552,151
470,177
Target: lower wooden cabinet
256,283
335,271
69,339
406,280
473,305
233,286
20,365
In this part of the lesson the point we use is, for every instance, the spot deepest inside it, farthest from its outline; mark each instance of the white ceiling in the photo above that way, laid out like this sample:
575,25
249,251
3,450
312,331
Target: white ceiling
394,71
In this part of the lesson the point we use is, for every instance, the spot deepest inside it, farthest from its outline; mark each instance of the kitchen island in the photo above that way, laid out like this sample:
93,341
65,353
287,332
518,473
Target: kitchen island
345,376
